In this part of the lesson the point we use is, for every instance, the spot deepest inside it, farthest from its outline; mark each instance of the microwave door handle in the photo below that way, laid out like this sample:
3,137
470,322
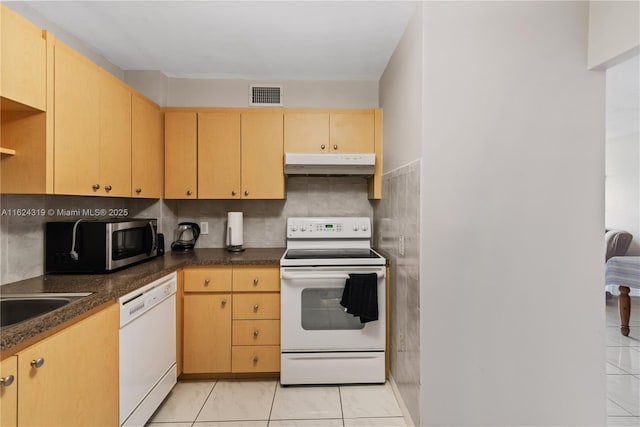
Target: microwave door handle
153,238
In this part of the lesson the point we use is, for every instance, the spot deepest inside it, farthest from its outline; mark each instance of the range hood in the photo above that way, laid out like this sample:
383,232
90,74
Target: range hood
329,164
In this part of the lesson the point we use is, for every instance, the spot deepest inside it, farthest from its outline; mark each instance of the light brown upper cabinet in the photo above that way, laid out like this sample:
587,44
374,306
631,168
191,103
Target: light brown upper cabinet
262,156
147,150
23,60
77,123
180,155
219,156
92,131
329,132
115,137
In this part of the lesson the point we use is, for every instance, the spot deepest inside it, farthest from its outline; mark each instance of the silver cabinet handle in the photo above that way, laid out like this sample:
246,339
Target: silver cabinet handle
255,281
233,193
108,188
246,193
322,146
7,381
256,307
255,359
138,190
335,146
256,333
37,363
223,302
95,187
189,192
206,282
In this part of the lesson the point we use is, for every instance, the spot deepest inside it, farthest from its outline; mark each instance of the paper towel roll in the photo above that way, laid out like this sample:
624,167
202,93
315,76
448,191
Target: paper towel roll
234,229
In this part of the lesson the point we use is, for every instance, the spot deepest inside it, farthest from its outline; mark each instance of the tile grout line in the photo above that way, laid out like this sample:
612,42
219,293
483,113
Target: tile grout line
341,409
204,403
273,399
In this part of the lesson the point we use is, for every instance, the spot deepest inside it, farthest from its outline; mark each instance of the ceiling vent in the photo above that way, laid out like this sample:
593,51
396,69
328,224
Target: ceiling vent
265,96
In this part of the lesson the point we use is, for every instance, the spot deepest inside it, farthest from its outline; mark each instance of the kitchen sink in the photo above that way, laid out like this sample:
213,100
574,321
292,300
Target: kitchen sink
20,307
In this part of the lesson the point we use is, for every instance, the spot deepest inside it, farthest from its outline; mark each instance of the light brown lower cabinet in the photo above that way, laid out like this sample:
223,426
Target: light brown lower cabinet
71,378
9,392
231,332
207,333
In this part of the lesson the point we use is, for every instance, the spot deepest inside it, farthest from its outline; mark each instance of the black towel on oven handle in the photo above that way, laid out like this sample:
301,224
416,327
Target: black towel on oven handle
360,296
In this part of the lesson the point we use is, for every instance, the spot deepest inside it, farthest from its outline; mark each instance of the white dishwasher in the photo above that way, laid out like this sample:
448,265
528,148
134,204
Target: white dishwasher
147,349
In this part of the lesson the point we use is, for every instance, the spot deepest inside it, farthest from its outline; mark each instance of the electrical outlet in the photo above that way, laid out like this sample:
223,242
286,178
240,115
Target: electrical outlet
204,227
401,245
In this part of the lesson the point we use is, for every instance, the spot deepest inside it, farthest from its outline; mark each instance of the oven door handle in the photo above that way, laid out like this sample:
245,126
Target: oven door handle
298,276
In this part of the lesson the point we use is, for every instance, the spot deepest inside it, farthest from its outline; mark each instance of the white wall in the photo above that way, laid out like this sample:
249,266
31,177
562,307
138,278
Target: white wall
614,32
296,93
512,313
401,99
152,84
622,185
622,201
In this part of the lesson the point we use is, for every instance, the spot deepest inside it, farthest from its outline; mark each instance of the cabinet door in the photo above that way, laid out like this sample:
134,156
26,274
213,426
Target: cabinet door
115,137
180,155
9,392
352,132
208,279
77,385
207,333
218,155
76,123
249,306
256,279
262,156
147,149
264,358
24,60
306,132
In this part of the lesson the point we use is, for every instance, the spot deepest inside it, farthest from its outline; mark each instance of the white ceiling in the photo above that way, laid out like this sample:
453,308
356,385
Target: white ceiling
303,40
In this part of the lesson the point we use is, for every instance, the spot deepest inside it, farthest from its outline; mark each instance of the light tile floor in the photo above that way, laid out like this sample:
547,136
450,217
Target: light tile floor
623,366
266,403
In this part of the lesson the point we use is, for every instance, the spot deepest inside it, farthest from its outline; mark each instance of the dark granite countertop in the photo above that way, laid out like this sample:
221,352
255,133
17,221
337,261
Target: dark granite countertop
110,287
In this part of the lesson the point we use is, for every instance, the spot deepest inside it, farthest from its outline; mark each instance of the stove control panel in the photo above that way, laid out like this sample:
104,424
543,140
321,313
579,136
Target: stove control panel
329,228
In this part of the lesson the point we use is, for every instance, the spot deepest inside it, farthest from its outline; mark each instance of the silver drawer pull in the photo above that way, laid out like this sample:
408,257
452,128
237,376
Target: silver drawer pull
223,302
206,282
256,333
255,281
37,363
256,307
255,359
7,381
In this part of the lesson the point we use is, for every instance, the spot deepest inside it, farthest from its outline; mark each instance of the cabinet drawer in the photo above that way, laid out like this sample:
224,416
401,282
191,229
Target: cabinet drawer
256,279
212,279
256,332
255,358
256,306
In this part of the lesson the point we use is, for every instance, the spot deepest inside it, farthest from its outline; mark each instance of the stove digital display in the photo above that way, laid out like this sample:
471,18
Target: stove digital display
328,226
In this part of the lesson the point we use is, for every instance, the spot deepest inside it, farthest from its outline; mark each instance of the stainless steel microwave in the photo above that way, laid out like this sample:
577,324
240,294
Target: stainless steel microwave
99,246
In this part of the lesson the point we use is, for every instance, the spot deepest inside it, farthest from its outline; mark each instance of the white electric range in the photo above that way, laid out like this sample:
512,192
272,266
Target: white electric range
320,342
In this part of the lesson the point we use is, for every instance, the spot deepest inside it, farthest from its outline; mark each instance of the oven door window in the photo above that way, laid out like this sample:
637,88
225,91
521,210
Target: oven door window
321,311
